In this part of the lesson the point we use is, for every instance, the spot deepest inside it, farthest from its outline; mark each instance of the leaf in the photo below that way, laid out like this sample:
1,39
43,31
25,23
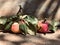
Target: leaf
50,27
54,24
13,18
32,29
22,17
23,27
3,21
8,26
30,24
31,19
30,32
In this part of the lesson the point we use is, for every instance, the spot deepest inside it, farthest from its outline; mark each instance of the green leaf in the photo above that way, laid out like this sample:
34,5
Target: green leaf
23,27
55,24
3,21
30,32
31,19
8,26
32,29
50,27
14,18
30,24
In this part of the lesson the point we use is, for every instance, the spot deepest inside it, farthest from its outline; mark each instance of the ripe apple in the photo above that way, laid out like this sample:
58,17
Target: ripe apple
15,28
43,27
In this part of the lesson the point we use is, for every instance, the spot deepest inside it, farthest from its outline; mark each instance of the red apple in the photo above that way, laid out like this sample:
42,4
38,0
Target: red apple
15,28
43,27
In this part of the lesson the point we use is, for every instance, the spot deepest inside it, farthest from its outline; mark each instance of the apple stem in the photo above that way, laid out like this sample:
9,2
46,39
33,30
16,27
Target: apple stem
20,10
44,20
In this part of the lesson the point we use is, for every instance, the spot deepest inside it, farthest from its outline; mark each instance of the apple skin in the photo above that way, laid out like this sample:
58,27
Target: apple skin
15,27
43,27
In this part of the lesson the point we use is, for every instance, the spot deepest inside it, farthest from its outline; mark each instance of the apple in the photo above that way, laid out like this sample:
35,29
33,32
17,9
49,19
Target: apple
15,27
43,27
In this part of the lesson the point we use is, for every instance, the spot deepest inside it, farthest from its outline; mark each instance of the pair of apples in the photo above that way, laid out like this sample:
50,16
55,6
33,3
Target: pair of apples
43,27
